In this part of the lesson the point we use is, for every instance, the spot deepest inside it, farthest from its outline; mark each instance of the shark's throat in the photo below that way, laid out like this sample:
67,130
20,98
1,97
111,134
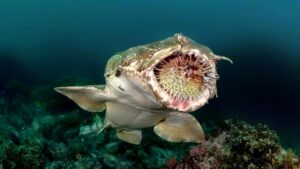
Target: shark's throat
184,75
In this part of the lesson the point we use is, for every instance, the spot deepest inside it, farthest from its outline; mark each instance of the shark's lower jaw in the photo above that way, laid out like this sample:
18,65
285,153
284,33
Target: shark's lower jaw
185,78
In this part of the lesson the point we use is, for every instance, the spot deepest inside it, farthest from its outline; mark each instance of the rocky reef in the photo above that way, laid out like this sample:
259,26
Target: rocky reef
40,129
237,144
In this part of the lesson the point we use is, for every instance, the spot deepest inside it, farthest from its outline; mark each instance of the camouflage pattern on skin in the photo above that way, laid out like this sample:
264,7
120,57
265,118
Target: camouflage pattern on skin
156,84
137,62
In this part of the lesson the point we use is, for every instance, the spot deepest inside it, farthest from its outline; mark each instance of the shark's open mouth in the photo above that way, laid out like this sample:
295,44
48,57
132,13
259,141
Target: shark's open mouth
184,77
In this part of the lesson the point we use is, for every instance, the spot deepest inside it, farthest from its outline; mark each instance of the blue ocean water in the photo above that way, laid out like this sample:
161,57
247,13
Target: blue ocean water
41,41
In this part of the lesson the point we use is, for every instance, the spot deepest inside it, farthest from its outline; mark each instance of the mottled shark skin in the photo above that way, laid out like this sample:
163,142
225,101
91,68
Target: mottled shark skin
156,84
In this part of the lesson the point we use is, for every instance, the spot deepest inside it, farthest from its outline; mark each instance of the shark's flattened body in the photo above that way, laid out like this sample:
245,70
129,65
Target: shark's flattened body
157,84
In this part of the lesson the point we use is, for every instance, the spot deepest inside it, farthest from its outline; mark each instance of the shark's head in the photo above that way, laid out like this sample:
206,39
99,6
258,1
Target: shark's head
179,72
153,85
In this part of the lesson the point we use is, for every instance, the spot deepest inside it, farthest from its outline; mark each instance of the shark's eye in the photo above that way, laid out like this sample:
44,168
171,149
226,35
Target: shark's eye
118,73
184,75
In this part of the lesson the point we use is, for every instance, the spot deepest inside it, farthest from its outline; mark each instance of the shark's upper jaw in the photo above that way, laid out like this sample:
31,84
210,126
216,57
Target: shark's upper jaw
184,79
177,72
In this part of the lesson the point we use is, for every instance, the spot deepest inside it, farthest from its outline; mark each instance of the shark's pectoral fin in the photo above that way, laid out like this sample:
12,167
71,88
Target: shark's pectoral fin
89,98
130,136
180,127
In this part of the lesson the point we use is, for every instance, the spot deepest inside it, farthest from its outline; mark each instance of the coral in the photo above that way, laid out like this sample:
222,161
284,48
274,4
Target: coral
111,161
240,145
288,160
80,163
171,163
158,157
206,155
36,131
255,146
28,155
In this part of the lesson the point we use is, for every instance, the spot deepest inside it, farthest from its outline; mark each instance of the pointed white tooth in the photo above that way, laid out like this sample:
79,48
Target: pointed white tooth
191,53
206,79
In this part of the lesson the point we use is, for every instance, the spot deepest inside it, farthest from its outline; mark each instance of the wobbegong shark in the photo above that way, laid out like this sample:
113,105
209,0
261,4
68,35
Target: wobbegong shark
154,85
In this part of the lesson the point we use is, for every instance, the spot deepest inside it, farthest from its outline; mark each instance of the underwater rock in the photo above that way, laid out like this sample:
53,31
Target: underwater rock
206,155
82,163
255,146
27,155
33,137
112,147
43,122
58,150
158,157
111,161
240,145
288,159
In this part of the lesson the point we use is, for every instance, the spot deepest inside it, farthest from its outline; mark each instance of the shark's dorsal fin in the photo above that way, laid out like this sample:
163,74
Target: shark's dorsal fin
90,98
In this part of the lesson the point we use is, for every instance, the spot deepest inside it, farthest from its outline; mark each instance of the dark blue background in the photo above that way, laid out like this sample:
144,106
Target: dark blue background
50,39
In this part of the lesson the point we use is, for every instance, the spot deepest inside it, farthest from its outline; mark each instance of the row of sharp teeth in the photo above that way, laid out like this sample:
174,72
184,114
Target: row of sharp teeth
199,59
190,53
